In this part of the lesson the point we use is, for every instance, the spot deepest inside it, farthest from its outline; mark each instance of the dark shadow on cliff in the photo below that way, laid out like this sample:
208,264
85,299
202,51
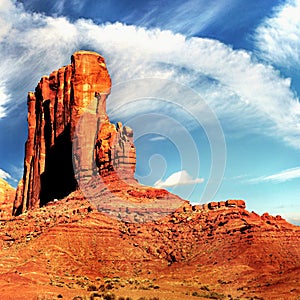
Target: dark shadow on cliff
58,179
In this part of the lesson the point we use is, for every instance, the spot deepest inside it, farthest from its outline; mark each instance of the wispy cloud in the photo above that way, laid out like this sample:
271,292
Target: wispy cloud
5,175
285,175
237,177
4,100
293,217
177,179
157,138
187,17
278,39
251,95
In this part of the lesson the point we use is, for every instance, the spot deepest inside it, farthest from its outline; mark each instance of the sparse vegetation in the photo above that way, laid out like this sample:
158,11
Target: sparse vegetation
209,295
92,288
109,296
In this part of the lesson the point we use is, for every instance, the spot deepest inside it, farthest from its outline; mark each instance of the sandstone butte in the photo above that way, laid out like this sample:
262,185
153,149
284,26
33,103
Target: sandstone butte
80,226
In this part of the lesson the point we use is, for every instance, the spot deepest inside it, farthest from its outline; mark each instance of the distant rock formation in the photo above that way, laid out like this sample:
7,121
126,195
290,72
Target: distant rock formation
221,204
7,196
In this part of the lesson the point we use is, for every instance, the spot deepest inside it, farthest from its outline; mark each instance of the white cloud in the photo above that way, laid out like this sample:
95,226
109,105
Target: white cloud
177,179
7,8
157,138
4,175
250,95
282,176
292,217
278,38
189,17
4,99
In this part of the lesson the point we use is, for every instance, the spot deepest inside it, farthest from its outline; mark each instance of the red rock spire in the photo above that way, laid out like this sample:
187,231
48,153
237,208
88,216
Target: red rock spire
54,110
72,145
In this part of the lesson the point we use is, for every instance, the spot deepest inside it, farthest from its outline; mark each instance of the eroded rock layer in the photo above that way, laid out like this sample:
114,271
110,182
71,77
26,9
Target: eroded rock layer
114,149
214,250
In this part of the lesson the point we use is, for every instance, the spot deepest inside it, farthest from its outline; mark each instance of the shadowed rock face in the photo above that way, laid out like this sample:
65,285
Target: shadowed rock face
72,145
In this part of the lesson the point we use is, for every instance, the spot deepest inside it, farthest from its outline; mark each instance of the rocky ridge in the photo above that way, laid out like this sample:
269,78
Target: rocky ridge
205,250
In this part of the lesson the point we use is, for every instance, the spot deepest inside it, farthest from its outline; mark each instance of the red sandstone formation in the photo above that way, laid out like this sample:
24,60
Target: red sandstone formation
67,121
54,110
7,195
221,204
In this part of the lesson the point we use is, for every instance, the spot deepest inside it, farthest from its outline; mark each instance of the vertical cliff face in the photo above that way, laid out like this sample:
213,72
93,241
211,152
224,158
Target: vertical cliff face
68,124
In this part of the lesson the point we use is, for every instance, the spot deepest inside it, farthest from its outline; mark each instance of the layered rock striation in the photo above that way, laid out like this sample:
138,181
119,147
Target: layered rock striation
206,249
114,149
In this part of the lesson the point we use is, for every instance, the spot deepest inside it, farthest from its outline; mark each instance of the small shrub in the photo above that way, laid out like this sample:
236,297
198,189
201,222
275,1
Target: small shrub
109,296
91,288
204,288
214,295
95,296
109,286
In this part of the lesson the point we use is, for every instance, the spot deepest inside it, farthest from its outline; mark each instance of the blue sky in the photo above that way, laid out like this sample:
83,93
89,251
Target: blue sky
212,89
